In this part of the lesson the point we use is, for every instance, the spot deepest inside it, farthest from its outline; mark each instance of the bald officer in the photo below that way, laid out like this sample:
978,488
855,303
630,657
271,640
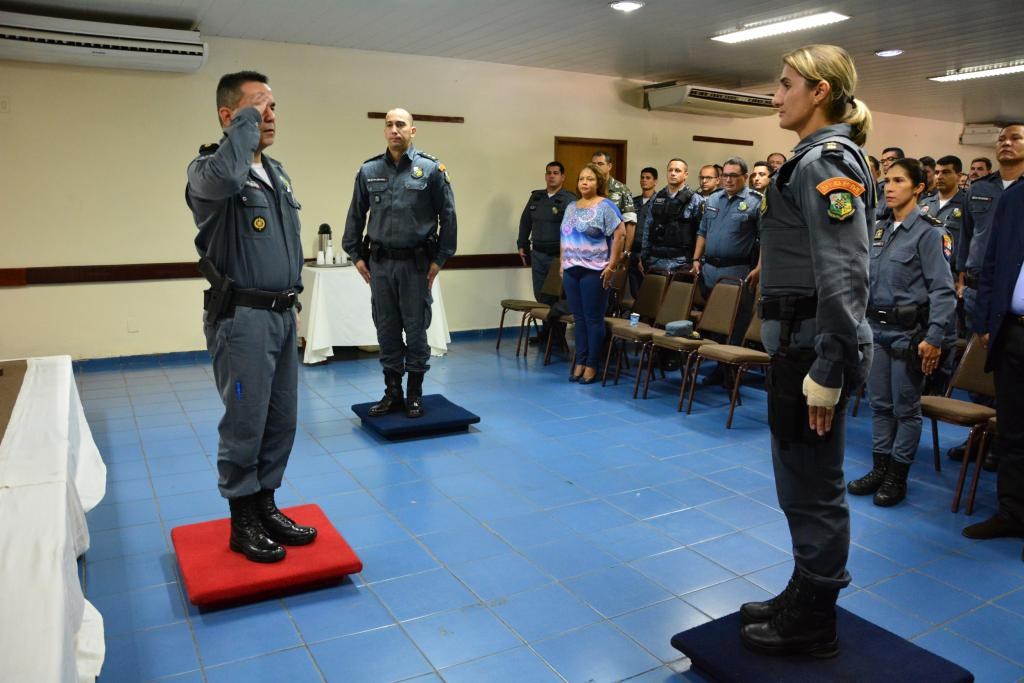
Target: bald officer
407,194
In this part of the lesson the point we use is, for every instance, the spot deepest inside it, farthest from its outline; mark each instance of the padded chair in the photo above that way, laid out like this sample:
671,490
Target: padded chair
719,317
970,376
675,306
741,357
646,304
980,449
620,280
552,286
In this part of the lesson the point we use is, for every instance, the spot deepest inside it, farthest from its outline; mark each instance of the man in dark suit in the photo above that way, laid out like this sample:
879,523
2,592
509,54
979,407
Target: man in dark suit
1000,319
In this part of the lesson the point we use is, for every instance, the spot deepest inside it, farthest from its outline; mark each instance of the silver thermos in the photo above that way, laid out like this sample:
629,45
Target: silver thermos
323,238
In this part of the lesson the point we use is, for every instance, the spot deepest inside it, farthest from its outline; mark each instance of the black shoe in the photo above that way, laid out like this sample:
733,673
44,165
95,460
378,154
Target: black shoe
894,487
715,378
539,340
591,380
957,452
805,626
247,534
756,612
871,481
414,395
997,526
393,400
990,463
279,526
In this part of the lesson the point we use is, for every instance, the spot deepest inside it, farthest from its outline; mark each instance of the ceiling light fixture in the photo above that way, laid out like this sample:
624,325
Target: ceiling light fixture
889,53
626,5
969,72
775,27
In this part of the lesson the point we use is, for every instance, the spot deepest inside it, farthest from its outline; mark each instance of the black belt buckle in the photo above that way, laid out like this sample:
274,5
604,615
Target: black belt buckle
882,316
283,301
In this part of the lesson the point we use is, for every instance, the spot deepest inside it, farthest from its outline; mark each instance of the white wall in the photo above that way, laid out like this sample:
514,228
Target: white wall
94,170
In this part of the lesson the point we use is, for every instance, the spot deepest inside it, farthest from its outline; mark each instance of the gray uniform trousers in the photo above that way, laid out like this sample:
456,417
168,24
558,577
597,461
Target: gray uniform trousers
894,390
400,302
540,263
255,367
810,483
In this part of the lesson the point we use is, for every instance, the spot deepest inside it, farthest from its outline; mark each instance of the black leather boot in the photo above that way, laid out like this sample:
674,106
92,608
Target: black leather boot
754,612
894,488
871,481
393,400
247,534
414,394
805,626
279,526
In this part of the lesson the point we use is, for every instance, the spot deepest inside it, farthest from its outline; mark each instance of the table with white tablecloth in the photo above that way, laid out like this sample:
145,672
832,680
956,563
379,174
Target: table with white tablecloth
51,474
336,312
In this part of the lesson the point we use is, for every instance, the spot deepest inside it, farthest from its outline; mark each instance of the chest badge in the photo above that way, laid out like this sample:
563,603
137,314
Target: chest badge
259,223
879,234
554,210
417,172
743,206
957,213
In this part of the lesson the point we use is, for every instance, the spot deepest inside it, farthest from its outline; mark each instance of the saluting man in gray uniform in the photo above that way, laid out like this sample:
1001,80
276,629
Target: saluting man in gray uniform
248,219
910,307
407,193
814,283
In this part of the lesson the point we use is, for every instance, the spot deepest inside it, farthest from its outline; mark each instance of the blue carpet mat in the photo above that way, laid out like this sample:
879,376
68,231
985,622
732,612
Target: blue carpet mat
439,416
867,654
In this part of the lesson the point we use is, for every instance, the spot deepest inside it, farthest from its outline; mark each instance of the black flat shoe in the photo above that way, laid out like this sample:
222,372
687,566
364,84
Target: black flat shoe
575,378
583,380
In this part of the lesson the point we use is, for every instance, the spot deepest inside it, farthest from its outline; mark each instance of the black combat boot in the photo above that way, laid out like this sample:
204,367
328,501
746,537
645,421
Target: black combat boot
754,612
894,488
805,626
247,534
393,400
870,482
279,526
414,391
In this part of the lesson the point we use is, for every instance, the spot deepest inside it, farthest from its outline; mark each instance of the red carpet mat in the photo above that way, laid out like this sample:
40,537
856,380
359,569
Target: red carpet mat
216,576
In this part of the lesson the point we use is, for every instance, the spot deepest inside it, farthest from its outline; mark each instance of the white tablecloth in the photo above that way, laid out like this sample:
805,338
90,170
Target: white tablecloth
51,473
336,312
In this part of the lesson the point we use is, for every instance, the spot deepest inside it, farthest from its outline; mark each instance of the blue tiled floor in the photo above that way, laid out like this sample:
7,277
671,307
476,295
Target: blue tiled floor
566,538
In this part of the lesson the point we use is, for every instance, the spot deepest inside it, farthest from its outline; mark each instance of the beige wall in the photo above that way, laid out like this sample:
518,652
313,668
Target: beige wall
94,164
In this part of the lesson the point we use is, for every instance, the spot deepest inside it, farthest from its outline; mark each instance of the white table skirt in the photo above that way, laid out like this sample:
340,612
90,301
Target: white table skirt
51,474
336,312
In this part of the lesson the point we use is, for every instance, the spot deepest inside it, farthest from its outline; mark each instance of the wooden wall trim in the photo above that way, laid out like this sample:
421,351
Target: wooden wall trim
723,141
141,272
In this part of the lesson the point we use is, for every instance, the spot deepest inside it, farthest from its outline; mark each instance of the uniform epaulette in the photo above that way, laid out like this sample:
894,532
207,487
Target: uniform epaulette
931,219
538,194
756,193
429,156
207,150
832,149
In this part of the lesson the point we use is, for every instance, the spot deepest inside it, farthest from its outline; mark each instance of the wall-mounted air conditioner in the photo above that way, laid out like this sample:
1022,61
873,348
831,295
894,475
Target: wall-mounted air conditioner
699,99
981,134
30,38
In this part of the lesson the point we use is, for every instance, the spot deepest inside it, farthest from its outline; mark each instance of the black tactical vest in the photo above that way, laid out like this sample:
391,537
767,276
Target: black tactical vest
546,215
672,235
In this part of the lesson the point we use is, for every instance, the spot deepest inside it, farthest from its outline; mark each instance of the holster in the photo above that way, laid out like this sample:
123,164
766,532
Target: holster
218,296
364,248
787,405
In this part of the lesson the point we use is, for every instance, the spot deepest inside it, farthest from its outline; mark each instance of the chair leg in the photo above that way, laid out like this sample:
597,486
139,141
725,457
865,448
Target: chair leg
968,451
650,369
562,329
982,449
684,368
607,361
935,440
860,395
501,328
693,384
735,393
523,329
620,355
644,349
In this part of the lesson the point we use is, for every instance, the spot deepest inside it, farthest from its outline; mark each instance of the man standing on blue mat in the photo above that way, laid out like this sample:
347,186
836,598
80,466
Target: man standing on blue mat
407,193
249,248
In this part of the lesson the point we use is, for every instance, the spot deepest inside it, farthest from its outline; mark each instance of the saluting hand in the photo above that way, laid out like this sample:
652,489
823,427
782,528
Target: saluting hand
363,270
929,357
260,99
431,274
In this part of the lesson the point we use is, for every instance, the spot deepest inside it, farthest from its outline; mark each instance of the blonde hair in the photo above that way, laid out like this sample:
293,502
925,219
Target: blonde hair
834,65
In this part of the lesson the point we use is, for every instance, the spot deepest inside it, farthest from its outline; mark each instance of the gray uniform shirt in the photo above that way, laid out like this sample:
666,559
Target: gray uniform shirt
249,229
981,207
406,202
731,224
910,268
814,242
951,215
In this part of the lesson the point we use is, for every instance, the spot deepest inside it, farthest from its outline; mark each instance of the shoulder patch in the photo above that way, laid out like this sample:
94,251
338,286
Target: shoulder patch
827,187
206,150
947,245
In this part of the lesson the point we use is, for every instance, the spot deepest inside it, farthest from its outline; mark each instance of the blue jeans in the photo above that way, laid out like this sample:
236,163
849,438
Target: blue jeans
588,300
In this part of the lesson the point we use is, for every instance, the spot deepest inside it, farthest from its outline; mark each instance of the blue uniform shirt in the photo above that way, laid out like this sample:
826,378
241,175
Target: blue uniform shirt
731,224
406,201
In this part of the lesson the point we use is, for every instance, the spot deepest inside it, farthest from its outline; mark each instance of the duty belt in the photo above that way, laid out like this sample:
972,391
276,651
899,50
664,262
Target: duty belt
792,308
257,298
905,317
726,262
550,249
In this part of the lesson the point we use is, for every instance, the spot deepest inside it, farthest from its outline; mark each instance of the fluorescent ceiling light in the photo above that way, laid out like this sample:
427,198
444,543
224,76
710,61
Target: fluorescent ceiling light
889,53
626,5
969,72
776,27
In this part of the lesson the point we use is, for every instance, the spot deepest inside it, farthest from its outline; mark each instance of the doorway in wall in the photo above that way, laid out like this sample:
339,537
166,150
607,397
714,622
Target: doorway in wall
575,153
